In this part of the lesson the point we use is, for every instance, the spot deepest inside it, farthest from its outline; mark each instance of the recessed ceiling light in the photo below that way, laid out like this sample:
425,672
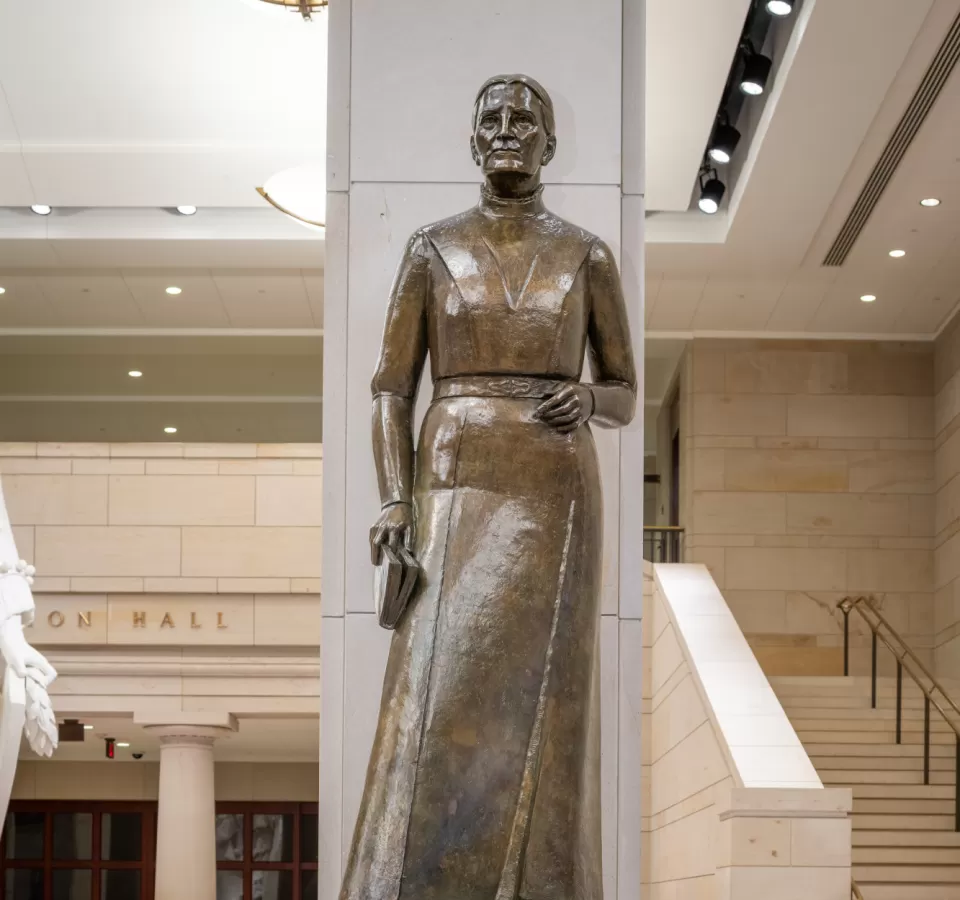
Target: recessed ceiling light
173,290
122,744
3,290
187,210
868,298
41,209
135,373
88,728
930,201
170,429
896,254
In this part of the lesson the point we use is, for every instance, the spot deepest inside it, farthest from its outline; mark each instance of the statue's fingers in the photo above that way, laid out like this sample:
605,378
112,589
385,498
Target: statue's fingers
555,399
376,541
571,406
394,536
566,419
408,537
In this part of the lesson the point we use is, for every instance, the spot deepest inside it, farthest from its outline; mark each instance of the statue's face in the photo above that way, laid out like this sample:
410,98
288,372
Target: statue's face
510,136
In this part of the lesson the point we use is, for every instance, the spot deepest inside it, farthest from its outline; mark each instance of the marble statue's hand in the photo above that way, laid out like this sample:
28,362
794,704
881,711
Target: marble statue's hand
20,656
41,724
394,527
568,408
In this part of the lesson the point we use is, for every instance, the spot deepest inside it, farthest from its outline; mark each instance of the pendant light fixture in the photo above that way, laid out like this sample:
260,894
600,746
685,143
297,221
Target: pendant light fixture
301,193
306,8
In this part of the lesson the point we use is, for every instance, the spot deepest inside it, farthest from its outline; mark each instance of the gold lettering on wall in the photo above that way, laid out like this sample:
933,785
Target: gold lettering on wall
220,622
193,621
55,619
83,619
167,621
139,620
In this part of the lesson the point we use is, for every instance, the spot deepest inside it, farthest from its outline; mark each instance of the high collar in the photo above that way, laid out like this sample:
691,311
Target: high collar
511,207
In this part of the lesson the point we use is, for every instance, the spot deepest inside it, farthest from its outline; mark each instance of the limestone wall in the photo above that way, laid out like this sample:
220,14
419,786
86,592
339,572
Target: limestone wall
807,474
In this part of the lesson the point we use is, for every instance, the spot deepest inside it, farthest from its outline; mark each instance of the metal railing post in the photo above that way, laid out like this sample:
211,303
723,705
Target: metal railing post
873,672
899,697
926,740
846,641
956,820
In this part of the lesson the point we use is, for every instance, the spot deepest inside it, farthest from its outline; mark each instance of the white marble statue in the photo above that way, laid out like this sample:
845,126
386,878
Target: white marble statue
27,674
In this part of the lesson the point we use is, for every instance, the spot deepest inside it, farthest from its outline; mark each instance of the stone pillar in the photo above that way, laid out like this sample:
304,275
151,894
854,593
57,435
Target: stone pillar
402,79
186,849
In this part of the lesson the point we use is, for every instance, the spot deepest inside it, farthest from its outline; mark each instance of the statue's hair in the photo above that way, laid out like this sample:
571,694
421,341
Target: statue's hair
538,89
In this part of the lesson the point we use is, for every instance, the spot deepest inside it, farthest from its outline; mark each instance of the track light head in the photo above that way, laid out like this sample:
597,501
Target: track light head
756,73
712,190
723,143
780,7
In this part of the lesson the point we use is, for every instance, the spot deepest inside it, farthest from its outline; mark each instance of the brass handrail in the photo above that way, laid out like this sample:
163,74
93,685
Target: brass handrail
663,528
851,603
855,891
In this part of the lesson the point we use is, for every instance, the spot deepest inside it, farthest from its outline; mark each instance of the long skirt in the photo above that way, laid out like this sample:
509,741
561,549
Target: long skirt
484,779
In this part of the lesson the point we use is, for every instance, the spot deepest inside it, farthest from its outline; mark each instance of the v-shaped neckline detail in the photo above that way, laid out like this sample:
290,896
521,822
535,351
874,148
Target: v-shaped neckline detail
513,302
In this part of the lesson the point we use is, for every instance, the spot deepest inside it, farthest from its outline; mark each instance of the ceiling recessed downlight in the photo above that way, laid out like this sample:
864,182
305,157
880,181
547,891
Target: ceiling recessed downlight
41,209
88,728
896,254
930,201
170,429
123,744
187,210
868,298
173,290
135,373
3,290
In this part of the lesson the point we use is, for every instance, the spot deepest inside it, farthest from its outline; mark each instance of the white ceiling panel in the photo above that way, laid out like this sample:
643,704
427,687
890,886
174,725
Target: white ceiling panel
90,300
736,305
677,302
265,300
314,285
797,305
23,304
198,306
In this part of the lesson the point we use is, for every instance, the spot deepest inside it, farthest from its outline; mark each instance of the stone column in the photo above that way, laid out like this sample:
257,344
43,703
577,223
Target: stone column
186,849
402,79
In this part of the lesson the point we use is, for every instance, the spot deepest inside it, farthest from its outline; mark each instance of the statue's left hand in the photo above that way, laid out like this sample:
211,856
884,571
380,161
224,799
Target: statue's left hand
568,408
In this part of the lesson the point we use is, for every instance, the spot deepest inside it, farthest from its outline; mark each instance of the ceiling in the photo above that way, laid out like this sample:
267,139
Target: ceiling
211,98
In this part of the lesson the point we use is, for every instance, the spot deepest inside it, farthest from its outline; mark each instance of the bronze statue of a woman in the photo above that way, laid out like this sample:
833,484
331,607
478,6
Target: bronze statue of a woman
484,779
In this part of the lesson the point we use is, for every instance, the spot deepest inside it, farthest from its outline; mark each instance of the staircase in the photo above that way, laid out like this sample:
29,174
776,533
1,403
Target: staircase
905,846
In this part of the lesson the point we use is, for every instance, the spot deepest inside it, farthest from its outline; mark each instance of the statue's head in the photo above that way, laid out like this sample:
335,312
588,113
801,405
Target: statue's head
513,126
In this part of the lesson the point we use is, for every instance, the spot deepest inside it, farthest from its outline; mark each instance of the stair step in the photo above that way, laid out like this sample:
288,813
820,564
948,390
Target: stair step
883,721
899,822
859,748
917,892
851,714
881,763
906,856
907,874
910,807
885,790
865,838
876,737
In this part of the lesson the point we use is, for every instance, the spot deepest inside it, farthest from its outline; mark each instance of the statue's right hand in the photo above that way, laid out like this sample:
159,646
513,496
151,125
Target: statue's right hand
394,527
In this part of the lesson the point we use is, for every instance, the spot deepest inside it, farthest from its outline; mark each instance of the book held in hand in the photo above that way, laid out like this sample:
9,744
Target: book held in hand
394,581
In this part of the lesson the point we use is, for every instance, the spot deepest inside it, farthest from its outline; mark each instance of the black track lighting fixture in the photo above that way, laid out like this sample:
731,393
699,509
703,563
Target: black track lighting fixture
723,142
780,7
712,190
756,70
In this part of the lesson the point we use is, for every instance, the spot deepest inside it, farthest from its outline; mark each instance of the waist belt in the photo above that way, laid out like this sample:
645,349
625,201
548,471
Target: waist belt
517,387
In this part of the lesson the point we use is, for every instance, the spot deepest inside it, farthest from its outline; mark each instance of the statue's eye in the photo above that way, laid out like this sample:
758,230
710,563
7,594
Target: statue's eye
488,122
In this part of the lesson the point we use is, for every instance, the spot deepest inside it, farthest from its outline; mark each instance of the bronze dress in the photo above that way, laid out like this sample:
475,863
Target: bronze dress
484,779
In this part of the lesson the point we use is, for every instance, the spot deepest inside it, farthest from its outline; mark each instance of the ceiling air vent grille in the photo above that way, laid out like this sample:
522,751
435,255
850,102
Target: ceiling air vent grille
916,112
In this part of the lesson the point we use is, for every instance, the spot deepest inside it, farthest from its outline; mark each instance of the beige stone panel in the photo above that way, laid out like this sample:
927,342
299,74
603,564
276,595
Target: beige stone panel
720,540
256,466
806,614
782,371
273,688
849,443
785,470
17,448
891,369
926,445
18,466
69,619
220,451
714,558
690,767
787,443
290,500
677,716
158,450
905,543
253,706
922,507
947,506
286,621
305,585
708,370
920,614
707,470
25,781
121,693
290,451
259,552
720,442
42,585
739,513
784,883
947,561
107,585
758,611
253,585
838,416
180,585
115,780
75,450
266,782
107,550
946,462
754,842
848,514
182,467
180,620
667,659
684,849
921,417
24,536
308,467
890,570
890,472
783,540
739,414
109,466
760,569
182,500
56,499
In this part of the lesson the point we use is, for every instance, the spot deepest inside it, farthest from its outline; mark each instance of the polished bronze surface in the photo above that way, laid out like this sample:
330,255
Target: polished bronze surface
484,779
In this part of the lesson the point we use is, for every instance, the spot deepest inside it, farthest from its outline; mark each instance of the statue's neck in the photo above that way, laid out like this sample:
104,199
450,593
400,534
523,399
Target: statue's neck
511,206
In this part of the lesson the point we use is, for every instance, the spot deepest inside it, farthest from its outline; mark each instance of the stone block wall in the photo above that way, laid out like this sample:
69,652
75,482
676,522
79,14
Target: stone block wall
807,474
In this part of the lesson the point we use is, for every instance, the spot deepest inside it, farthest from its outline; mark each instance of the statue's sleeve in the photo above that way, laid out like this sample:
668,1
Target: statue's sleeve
404,347
19,601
